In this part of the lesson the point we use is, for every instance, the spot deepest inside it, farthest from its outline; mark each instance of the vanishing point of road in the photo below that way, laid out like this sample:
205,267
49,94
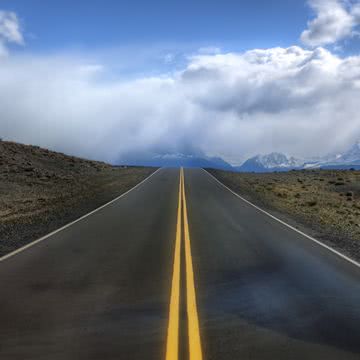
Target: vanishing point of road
178,268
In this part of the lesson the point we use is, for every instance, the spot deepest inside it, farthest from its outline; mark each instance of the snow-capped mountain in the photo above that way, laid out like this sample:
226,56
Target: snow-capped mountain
260,163
281,162
270,162
350,158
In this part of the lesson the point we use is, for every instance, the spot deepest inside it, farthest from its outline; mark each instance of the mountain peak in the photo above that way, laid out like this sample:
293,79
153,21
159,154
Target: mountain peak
352,155
270,162
281,162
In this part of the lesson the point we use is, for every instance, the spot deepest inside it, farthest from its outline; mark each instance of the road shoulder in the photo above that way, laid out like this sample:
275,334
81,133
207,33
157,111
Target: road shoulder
340,240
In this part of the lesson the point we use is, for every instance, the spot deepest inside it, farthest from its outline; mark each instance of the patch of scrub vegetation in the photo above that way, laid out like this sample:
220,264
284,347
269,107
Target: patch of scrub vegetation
324,202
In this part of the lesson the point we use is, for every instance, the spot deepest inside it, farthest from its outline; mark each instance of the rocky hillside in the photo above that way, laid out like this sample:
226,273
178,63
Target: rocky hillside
41,190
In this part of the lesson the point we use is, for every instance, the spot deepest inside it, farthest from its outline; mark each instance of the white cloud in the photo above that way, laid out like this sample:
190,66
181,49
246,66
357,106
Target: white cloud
303,102
334,21
9,31
355,12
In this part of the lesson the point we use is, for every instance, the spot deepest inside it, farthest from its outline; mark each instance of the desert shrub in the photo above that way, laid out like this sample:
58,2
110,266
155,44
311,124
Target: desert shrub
311,203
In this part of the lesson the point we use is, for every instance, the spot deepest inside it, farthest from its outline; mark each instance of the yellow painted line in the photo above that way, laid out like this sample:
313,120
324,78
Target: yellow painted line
172,344
195,351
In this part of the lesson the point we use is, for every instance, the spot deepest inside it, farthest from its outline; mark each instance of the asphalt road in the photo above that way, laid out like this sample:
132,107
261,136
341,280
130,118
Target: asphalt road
189,272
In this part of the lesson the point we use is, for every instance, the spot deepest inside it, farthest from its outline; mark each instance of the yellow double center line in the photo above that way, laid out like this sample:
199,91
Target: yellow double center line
172,346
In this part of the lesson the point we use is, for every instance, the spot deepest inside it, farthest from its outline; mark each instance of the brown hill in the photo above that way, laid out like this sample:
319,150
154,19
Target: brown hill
41,190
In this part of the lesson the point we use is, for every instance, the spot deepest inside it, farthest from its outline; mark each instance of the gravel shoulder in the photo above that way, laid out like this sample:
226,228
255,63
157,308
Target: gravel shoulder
322,203
42,190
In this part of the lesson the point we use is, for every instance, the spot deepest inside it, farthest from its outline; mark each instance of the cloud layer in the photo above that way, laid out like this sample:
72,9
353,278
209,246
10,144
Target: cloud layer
9,31
303,102
233,105
335,20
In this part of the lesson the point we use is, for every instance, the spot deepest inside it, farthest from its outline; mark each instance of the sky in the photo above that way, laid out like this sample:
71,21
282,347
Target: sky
111,80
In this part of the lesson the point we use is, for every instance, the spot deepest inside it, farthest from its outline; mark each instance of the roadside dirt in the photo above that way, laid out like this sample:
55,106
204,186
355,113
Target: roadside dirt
41,190
322,203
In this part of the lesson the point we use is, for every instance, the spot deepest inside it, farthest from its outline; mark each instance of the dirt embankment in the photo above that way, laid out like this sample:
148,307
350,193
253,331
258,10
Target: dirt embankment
323,203
41,190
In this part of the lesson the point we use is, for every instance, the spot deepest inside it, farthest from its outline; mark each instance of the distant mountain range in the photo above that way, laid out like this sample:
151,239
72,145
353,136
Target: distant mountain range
350,158
281,162
270,162
177,160
259,163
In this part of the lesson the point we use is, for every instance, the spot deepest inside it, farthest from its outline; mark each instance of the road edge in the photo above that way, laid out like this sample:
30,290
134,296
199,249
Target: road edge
21,249
344,257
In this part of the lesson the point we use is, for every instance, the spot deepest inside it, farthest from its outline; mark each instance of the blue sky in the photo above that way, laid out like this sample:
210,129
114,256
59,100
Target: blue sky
110,79
230,24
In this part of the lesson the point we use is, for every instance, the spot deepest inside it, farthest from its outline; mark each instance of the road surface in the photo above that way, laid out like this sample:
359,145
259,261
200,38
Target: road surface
179,268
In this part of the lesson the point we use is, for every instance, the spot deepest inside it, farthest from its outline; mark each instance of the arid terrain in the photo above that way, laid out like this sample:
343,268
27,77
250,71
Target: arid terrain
41,190
323,203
